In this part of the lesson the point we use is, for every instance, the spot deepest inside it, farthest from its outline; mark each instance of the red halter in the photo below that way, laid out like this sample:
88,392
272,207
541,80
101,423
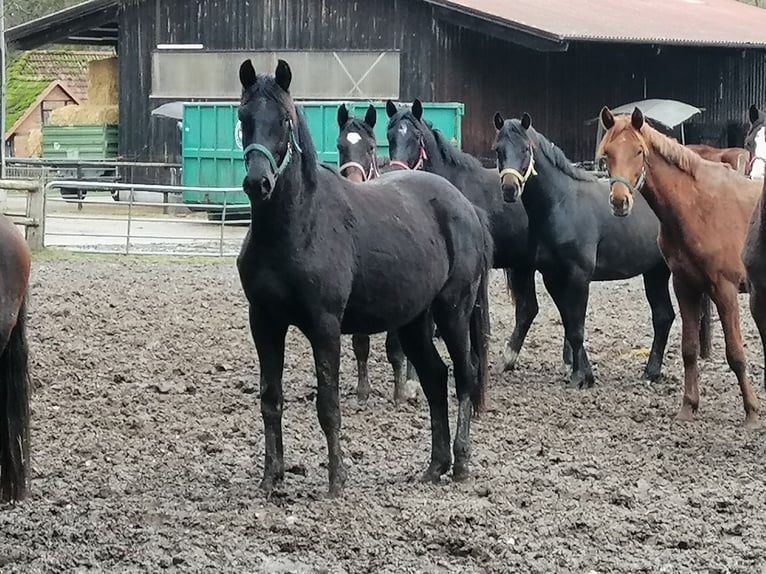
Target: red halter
421,159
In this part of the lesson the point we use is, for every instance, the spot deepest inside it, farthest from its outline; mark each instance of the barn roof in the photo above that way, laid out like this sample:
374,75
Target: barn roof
538,24
555,23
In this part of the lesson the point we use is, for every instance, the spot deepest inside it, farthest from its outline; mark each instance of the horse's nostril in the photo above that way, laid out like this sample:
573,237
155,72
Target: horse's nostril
265,185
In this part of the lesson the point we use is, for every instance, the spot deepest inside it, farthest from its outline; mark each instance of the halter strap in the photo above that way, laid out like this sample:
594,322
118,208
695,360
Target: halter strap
523,179
634,189
292,143
372,174
419,165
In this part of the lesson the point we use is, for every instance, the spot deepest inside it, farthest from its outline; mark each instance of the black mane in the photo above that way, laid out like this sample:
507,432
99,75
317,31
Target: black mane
554,154
452,155
266,86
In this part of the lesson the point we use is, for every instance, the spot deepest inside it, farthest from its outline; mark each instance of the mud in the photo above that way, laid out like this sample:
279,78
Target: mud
148,446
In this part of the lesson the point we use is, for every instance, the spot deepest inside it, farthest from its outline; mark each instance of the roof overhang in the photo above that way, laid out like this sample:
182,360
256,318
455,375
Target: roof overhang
92,23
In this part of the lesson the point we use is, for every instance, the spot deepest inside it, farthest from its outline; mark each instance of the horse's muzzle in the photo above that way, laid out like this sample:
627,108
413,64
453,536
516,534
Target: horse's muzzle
511,189
623,207
259,187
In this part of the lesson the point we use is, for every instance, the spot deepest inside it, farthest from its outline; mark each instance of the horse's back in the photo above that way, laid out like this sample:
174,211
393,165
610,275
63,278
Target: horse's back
15,260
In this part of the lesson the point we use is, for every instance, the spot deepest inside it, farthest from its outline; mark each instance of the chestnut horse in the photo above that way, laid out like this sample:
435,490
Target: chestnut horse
14,376
754,257
704,209
731,156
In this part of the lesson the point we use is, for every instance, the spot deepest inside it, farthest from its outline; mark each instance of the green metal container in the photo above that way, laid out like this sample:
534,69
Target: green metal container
212,140
80,142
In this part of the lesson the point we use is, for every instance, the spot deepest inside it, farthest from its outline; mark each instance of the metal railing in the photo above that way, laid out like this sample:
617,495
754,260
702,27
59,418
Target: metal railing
139,231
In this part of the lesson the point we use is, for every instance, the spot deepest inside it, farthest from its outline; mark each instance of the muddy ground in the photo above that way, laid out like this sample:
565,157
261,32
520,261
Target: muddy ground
148,447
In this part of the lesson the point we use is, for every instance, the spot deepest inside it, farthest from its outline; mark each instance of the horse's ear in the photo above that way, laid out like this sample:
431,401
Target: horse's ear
342,116
499,121
607,118
754,114
390,108
637,119
526,121
371,116
247,75
283,75
417,109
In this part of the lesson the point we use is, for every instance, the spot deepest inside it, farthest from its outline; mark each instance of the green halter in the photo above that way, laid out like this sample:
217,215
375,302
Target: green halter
292,142
634,189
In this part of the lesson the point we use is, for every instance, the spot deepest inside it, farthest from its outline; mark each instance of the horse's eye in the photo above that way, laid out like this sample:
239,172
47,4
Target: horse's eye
639,152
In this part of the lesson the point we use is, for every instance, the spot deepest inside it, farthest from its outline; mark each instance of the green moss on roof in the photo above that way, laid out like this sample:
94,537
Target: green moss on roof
21,90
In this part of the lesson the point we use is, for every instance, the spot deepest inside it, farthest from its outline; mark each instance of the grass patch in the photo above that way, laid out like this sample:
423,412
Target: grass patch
52,255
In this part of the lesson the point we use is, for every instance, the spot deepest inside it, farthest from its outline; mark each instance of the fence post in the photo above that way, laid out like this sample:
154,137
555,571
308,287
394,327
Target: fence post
35,234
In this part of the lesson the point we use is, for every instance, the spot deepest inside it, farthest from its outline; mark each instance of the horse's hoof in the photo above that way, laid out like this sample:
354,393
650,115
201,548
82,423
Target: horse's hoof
686,414
337,482
434,473
652,376
752,421
460,472
509,360
269,483
362,395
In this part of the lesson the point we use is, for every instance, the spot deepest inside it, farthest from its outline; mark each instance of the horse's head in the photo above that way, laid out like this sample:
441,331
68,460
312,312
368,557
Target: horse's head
755,142
515,155
406,135
269,123
357,148
624,149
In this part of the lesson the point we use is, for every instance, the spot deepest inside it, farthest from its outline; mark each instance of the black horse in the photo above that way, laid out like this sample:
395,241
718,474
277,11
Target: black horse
330,257
577,239
414,144
359,162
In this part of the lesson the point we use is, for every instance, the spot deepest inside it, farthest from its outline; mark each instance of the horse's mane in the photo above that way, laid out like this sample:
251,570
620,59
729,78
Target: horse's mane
450,154
556,156
650,139
266,86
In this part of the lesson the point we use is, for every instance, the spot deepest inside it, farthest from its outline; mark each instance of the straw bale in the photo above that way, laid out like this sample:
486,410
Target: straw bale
85,115
102,82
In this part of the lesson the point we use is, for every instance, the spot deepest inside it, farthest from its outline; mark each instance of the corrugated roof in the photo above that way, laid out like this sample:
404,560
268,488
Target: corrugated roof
684,22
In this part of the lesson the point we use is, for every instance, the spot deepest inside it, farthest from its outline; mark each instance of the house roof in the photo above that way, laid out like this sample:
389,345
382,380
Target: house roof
539,24
723,23
35,104
69,67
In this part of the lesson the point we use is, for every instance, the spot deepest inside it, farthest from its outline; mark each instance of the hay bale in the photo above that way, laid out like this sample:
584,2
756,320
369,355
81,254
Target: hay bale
35,143
86,115
102,82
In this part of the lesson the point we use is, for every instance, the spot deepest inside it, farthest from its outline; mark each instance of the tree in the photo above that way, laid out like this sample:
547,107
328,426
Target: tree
19,11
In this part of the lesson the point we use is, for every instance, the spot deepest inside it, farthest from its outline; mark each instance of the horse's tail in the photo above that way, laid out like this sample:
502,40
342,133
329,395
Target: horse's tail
480,324
14,409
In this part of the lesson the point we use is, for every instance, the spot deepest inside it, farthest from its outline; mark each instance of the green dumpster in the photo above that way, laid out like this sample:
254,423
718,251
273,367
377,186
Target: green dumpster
212,142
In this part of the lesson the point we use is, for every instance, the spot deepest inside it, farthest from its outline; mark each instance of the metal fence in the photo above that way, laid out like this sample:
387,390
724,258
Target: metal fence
146,219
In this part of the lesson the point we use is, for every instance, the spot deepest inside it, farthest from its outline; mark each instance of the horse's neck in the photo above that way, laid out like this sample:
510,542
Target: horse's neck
545,190
282,219
668,191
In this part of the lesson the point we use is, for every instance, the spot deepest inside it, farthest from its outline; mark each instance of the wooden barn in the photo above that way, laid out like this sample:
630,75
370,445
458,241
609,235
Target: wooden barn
559,60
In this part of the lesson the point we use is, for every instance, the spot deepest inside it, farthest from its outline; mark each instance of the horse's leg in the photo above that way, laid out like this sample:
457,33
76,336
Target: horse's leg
269,337
361,345
728,310
453,324
324,336
396,357
689,304
570,294
417,342
758,311
656,286
706,328
521,283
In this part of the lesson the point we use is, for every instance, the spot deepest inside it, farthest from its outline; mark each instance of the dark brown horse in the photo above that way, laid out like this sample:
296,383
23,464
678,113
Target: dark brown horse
704,209
735,157
14,375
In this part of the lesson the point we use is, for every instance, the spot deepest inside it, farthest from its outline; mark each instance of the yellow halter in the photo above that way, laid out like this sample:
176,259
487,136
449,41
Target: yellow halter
517,174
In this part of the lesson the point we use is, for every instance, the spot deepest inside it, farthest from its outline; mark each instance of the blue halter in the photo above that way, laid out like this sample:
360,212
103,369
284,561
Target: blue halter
292,143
